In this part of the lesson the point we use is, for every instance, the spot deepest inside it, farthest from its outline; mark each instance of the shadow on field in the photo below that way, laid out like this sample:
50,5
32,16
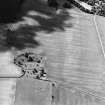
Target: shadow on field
48,22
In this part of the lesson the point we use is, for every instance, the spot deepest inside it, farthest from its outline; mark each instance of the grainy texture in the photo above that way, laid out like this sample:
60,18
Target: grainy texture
82,63
32,92
74,58
7,91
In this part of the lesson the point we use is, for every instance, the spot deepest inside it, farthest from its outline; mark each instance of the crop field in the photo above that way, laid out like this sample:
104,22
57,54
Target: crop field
75,59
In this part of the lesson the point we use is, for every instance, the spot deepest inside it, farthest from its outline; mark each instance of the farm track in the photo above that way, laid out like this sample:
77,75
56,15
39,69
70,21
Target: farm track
101,26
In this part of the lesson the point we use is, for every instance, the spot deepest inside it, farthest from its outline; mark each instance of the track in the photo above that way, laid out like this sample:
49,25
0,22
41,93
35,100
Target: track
100,40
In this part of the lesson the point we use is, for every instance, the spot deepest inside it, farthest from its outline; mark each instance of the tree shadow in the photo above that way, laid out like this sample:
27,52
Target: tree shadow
24,37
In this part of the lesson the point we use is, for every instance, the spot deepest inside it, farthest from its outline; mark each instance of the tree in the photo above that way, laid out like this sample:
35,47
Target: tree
9,10
53,3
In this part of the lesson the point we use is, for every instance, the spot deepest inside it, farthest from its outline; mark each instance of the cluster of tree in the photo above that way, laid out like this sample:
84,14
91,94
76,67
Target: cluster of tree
55,4
98,6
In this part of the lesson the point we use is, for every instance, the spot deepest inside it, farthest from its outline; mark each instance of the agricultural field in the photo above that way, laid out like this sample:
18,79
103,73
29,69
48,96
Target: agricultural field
74,58
75,61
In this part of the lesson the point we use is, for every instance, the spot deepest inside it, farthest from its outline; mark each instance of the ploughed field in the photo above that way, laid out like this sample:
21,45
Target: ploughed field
7,91
75,56
74,60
